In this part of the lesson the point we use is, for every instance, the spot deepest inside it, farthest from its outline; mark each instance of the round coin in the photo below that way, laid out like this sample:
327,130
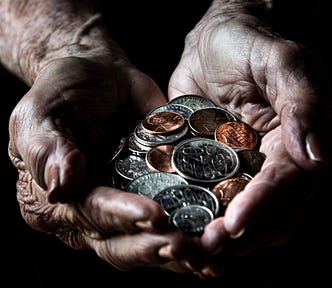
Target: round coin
164,122
174,197
236,134
183,110
194,102
192,219
150,184
159,158
204,121
204,160
227,189
251,161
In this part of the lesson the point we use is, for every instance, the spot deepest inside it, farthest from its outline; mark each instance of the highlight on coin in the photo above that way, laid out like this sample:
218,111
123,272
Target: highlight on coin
189,155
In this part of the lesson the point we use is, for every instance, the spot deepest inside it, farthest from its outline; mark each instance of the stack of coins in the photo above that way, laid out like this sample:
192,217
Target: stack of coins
191,156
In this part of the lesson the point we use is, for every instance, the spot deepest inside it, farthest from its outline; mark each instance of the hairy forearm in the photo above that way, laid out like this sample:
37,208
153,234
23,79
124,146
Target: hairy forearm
35,32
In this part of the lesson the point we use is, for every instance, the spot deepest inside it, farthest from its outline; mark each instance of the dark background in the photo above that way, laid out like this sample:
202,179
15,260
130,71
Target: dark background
153,35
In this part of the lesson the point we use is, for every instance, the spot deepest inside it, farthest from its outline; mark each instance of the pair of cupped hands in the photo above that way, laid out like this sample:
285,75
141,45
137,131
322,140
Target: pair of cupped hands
62,130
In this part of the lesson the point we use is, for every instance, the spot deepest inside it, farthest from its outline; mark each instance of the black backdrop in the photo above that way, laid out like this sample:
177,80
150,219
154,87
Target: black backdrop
152,34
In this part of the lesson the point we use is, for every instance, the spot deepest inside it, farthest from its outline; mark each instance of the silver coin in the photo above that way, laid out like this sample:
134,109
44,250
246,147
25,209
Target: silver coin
131,166
151,140
174,197
192,219
194,102
204,160
137,148
152,183
183,110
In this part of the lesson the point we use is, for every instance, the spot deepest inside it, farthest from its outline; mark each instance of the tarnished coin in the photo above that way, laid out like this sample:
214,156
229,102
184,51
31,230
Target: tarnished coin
251,161
131,166
151,140
204,160
204,122
150,184
164,122
174,197
183,110
192,219
135,147
194,102
227,189
236,134
159,158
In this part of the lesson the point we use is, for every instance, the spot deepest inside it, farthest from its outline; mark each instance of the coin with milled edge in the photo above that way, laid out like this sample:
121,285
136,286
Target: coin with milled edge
135,147
236,134
174,197
151,140
204,121
194,102
204,160
183,110
150,184
192,219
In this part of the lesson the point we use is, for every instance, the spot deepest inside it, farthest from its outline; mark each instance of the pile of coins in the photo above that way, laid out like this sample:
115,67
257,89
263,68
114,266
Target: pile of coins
189,155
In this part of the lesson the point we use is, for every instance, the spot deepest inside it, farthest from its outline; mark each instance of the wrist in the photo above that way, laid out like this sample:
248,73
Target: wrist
42,31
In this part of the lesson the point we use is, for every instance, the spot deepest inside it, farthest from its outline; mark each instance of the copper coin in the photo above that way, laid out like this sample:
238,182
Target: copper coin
236,134
159,158
205,121
164,122
227,189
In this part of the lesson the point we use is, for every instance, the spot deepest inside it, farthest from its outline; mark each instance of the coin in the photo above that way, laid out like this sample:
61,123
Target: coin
236,134
174,197
131,166
183,110
150,184
159,158
251,161
194,102
192,219
151,140
227,189
164,122
204,121
204,160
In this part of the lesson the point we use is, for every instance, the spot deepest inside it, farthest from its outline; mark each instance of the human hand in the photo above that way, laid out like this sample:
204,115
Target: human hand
59,135
275,86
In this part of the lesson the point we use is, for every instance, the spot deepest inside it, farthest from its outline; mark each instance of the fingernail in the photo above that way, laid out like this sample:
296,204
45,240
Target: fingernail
165,251
238,234
313,148
53,183
144,225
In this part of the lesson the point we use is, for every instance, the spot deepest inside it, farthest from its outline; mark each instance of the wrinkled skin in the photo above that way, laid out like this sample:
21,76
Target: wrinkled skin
273,85
56,131
59,129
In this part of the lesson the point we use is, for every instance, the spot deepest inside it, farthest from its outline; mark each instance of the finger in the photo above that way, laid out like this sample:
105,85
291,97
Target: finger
215,237
279,183
111,210
127,252
302,104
